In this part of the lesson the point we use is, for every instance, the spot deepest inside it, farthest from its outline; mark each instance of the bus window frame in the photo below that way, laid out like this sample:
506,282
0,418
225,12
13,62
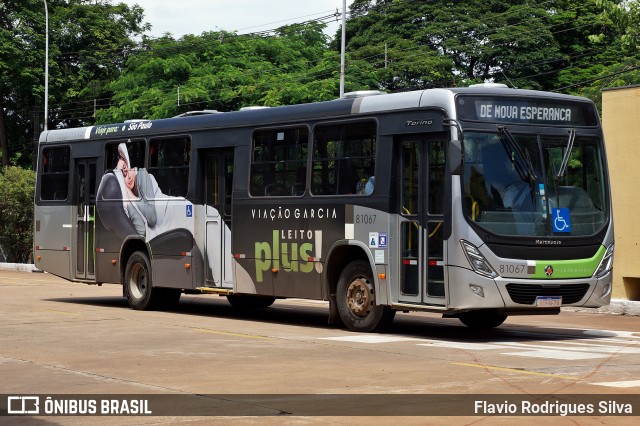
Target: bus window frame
252,151
115,142
41,174
345,122
529,241
149,141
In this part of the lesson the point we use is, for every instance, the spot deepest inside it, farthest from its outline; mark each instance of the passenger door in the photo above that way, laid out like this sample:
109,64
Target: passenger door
85,215
422,195
218,196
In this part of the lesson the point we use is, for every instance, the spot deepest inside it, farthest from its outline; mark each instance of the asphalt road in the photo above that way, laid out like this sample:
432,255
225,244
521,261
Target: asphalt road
285,364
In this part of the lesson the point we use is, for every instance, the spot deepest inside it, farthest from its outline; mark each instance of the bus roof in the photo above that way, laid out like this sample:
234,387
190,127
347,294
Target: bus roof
438,98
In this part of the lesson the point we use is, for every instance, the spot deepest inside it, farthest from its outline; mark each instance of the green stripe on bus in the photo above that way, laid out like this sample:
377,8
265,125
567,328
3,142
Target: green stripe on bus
563,269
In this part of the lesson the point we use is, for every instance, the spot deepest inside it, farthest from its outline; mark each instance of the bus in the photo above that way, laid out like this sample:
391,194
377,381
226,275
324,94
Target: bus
474,203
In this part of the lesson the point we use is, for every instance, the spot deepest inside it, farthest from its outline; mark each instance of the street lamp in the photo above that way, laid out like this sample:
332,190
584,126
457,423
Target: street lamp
46,67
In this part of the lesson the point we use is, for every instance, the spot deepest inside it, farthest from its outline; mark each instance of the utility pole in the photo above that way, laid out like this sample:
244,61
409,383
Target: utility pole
343,46
46,66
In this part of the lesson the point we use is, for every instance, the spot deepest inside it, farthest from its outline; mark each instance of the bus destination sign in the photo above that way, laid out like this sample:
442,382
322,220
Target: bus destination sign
525,111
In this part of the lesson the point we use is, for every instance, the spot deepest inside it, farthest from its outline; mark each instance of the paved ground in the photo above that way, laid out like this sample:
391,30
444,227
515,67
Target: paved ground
285,364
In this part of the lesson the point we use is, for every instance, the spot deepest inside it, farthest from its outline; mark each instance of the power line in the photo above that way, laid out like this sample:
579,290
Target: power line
593,80
300,78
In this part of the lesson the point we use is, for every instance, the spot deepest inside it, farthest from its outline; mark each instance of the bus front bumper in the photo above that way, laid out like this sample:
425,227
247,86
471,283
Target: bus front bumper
469,291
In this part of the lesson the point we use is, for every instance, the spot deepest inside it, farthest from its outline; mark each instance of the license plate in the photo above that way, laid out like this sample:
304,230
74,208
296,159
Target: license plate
549,301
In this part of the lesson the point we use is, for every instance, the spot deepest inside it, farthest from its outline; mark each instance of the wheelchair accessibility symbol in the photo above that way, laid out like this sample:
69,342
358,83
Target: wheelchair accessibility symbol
561,220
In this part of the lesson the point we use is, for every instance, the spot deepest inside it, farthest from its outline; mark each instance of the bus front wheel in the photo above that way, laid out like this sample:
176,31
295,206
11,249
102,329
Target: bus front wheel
482,320
356,300
137,283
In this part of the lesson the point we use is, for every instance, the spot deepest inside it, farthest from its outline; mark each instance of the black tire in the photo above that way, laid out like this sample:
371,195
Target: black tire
356,300
250,302
138,285
482,320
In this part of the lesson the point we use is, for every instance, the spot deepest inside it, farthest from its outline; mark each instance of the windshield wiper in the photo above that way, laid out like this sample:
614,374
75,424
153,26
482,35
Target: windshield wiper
567,154
523,159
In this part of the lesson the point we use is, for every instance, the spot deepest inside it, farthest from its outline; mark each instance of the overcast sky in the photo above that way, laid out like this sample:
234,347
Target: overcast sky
180,17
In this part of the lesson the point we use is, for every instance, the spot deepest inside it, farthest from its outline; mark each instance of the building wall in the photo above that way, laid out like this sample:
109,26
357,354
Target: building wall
621,123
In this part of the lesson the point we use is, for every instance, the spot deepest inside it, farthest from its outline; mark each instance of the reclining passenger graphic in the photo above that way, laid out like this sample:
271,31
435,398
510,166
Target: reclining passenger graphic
145,210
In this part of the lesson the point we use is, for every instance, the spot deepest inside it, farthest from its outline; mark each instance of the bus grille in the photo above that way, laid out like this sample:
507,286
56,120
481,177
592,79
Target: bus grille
526,294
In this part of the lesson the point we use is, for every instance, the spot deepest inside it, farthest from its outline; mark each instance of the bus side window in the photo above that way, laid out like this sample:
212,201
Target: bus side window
169,163
279,163
344,159
135,151
54,183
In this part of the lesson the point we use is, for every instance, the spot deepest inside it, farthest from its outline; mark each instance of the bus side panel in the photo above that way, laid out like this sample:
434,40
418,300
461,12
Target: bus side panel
245,281
286,284
107,246
172,271
107,269
284,245
52,239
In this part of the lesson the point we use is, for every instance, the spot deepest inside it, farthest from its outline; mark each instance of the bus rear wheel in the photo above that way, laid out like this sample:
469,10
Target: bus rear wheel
482,320
138,285
356,300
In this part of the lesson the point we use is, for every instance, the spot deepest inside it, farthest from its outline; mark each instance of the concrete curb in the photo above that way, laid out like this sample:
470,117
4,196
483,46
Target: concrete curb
617,306
18,267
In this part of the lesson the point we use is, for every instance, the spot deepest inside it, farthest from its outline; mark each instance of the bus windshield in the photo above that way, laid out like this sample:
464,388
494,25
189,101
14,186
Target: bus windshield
530,185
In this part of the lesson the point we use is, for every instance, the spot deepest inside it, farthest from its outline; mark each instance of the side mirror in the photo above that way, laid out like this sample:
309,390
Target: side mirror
454,157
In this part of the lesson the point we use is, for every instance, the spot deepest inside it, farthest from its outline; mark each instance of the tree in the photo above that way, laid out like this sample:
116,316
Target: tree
16,210
389,35
612,56
225,71
523,43
624,73
89,41
19,36
442,43
626,14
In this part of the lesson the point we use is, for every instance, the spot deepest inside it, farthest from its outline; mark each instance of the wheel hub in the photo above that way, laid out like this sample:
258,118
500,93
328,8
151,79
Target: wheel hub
360,297
138,283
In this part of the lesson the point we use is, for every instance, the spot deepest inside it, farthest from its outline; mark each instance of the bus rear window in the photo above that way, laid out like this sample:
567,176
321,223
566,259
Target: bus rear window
54,183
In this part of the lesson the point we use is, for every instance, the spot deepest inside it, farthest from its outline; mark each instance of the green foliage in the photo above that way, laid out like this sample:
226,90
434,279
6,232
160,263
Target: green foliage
225,71
626,15
570,46
17,187
443,43
89,41
624,73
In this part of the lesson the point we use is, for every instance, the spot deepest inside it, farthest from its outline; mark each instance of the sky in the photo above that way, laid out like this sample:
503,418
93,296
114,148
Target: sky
180,17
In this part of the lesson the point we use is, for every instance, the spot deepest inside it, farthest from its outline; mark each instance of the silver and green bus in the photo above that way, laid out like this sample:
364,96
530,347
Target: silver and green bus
474,203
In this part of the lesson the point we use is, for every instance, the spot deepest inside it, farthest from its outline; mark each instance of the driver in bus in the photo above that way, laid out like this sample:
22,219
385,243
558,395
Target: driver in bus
506,189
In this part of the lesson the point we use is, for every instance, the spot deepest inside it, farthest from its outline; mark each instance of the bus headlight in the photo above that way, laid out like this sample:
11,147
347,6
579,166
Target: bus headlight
606,264
477,260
